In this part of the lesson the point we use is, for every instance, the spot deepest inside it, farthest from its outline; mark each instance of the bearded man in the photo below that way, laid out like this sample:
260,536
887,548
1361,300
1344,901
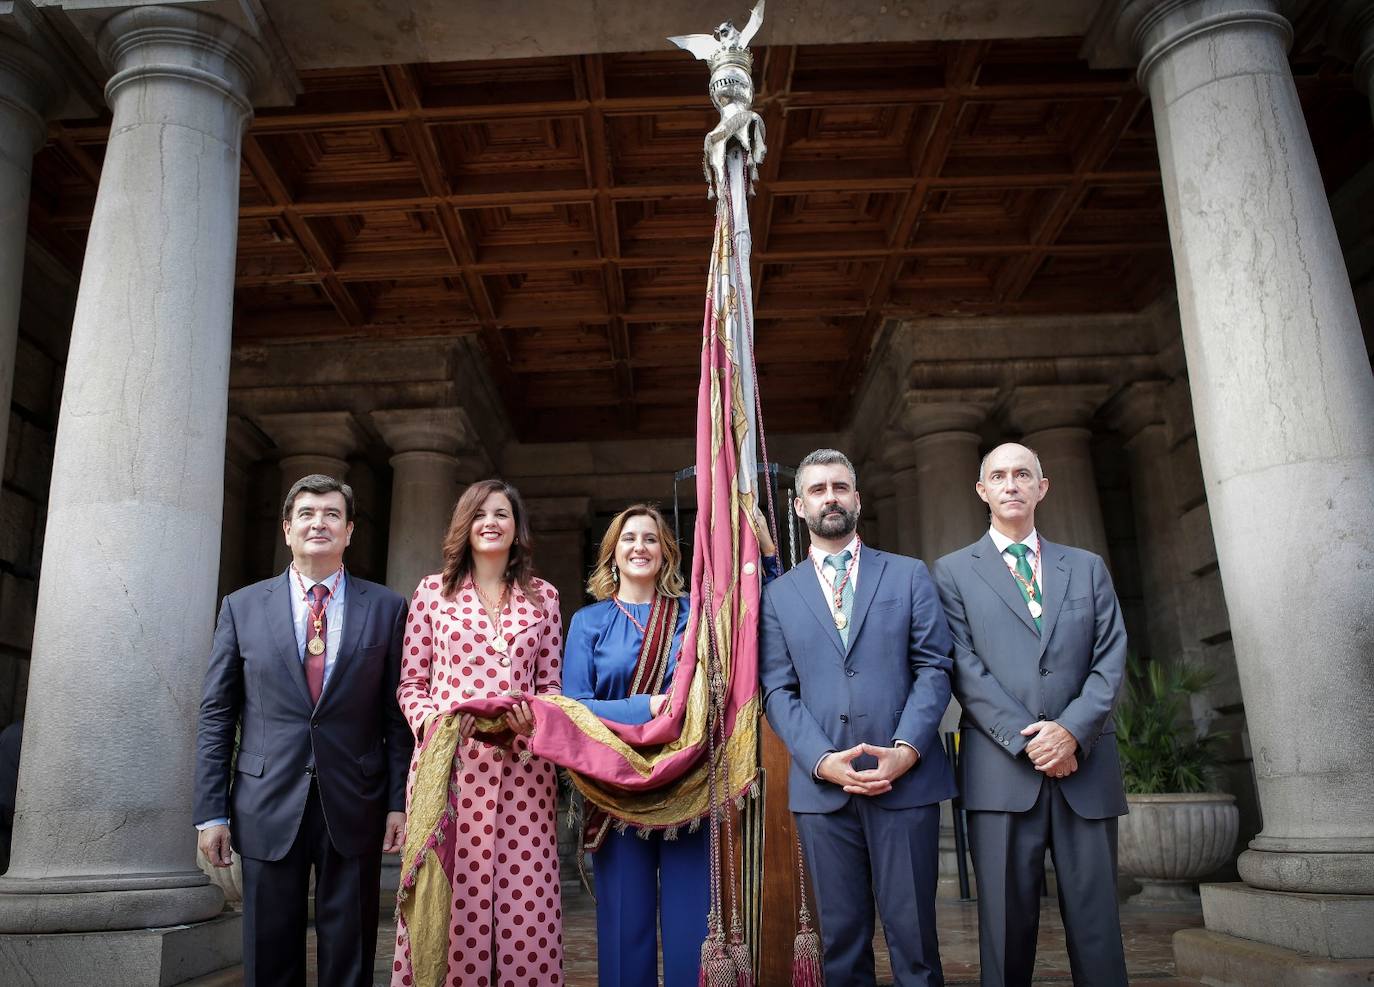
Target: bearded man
854,656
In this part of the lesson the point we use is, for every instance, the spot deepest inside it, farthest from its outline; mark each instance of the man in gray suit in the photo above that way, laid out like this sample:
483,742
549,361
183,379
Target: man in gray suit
305,665
1039,658
854,661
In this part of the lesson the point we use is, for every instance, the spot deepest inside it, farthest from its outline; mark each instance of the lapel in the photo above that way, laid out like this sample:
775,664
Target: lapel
281,626
871,566
1058,590
355,617
988,563
808,587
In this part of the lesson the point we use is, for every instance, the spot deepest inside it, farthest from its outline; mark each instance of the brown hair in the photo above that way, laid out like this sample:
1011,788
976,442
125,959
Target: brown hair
601,584
458,550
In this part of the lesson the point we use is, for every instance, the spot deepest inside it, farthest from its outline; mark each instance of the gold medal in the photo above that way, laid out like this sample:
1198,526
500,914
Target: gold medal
315,647
499,644
841,621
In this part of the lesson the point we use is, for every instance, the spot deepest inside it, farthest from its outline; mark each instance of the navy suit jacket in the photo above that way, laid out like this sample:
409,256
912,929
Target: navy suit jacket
356,739
1007,676
891,683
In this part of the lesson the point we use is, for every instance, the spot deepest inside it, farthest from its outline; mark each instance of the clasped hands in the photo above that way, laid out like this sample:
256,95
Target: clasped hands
837,767
1053,749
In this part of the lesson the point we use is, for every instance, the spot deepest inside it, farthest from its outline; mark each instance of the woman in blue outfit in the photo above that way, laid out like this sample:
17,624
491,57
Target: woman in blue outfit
638,584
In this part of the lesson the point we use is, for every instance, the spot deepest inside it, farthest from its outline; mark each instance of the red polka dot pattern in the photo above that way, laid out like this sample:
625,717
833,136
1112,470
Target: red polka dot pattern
506,922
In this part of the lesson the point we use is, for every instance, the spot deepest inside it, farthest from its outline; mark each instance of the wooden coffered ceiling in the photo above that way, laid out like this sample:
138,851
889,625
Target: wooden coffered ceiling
555,208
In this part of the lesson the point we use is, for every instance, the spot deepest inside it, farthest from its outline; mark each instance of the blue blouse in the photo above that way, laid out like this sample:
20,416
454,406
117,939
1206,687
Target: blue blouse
600,652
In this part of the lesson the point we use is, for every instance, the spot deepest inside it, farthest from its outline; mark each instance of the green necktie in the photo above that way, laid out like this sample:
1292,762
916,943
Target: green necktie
1030,589
837,565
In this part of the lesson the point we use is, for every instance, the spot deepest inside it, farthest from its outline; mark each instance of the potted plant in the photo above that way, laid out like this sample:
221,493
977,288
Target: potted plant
1179,828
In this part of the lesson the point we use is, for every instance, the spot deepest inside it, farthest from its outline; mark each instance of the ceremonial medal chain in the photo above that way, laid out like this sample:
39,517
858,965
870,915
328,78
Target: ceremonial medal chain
1032,604
837,610
316,643
498,640
616,600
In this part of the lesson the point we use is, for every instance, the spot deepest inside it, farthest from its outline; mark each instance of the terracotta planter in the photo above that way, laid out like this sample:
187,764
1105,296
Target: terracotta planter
1168,842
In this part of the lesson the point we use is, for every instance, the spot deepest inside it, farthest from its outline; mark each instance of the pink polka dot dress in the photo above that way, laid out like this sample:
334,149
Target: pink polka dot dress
506,920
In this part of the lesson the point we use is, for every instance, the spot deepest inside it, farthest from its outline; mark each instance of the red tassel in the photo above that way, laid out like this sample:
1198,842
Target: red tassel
717,968
806,960
744,964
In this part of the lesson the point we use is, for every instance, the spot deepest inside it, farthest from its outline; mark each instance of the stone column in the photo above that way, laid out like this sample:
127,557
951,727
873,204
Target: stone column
1137,414
244,447
1282,396
29,92
1352,34
103,833
560,534
427,477
879,497
1053,421
310,442
901,460
946,442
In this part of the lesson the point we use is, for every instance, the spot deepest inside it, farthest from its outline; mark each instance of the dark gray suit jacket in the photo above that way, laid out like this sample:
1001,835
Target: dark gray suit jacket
356,739
1007,676
892,683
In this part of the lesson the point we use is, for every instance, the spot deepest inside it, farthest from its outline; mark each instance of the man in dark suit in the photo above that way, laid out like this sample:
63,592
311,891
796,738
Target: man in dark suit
854,660
305,665
1039,658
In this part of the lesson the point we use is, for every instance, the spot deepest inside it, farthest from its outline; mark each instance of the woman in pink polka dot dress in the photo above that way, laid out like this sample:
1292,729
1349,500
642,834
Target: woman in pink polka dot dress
487,626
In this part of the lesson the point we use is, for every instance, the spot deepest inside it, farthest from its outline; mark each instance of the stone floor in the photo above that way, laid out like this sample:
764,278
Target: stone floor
1148,936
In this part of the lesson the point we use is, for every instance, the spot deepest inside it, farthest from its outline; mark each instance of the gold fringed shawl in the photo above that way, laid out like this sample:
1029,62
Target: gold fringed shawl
425,897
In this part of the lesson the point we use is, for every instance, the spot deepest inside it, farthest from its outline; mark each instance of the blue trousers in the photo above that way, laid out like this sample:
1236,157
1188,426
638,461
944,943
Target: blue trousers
640,885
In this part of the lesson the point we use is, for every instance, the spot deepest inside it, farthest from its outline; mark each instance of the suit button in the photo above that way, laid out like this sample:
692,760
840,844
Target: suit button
844,718
1043,716
850,672
1044,671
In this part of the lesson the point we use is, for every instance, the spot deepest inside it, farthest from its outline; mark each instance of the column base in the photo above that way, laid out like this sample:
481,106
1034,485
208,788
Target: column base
80,905
138,958
1327,925
1269,864
1220,960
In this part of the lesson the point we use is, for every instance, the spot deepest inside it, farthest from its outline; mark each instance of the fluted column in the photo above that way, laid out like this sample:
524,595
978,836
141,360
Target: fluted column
428,474
1054,422
29,92
310,442
103,833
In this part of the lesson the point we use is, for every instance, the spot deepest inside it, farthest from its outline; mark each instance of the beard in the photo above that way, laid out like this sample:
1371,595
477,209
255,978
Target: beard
833,521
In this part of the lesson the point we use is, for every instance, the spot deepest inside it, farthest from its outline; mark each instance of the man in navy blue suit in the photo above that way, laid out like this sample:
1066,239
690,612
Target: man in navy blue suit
305,665
854,657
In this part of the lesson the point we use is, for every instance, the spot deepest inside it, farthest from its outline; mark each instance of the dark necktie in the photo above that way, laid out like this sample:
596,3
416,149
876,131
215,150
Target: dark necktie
314,663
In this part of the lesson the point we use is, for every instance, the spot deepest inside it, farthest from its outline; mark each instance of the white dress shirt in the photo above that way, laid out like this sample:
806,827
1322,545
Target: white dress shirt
334,612
825,573
1031,541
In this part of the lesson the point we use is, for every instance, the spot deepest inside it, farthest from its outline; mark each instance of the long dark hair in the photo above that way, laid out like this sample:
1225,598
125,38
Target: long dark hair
458,549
